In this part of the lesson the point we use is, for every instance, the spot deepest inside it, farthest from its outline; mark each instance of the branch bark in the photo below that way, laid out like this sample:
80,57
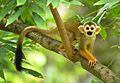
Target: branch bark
100,71
62,31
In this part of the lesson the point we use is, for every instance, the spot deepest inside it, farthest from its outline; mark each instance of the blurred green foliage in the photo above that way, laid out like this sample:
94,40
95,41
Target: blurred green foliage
40,63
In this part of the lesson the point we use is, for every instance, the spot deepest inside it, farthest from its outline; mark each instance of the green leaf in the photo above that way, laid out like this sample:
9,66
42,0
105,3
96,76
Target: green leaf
34,73
29,20
2,74
9,47
81,18
116,46
111,2
55,3
114,12
89,2
74,2
119,46
106,6
6,41
116,31
37,9
66,3
49,1
25,14
103,32
39,20
14,16
6,9
101,2
20,2
99,20
87,19
101,12
42,1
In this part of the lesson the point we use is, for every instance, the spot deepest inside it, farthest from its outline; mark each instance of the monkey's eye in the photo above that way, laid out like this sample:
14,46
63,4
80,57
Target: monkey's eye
92,28
87,28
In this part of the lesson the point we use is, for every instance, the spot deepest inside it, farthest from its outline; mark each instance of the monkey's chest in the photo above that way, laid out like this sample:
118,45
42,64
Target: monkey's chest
89,40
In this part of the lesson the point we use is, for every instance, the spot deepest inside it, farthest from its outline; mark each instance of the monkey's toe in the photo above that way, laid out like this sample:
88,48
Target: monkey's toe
61,48
92,63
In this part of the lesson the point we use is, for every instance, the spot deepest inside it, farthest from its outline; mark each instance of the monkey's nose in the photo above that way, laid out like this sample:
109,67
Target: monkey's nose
89,33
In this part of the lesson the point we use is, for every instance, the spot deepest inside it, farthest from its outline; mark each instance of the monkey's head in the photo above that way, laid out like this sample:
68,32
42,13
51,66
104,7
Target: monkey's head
89,29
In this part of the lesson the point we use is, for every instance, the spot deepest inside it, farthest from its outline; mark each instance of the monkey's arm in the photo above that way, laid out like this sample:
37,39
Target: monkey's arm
89,56
86,49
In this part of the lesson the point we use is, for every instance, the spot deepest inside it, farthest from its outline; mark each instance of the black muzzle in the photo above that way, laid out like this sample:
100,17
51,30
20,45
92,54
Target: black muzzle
89,33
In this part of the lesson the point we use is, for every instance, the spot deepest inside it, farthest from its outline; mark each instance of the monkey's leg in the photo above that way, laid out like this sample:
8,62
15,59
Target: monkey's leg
86,54
61,48
71,38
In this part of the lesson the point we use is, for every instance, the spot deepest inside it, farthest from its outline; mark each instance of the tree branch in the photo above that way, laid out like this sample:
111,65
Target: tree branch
63,32
99,70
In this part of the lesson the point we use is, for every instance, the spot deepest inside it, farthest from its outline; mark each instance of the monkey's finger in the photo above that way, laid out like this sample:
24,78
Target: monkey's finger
89,63
93,64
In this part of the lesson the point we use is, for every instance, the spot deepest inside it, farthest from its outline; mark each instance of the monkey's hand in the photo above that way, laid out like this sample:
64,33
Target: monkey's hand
91,59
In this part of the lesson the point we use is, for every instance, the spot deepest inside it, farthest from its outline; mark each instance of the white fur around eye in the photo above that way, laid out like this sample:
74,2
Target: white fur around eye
87,26
93,26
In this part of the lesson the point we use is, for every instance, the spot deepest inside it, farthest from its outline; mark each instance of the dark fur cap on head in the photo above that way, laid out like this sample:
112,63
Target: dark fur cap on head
89,23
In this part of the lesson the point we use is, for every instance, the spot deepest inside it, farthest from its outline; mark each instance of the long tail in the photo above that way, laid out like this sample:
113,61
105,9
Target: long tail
19,53
18,57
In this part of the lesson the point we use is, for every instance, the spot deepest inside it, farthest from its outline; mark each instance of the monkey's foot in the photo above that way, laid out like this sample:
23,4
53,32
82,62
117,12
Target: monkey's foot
61,48
92,62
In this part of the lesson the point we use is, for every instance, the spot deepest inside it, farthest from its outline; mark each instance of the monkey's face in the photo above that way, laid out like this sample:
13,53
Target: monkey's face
89,29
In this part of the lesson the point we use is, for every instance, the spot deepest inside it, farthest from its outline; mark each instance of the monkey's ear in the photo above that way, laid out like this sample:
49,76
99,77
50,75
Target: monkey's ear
81,28
98,29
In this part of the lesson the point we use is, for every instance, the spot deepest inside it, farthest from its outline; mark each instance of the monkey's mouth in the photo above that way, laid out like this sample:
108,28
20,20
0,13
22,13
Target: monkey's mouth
89,33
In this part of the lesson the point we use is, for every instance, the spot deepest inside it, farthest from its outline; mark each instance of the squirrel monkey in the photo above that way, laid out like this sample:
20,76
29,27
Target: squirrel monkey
19,53
88,33
85,34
